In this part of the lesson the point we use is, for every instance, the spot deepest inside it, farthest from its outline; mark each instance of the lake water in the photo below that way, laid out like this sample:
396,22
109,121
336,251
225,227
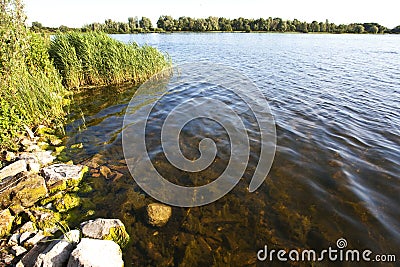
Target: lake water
336,173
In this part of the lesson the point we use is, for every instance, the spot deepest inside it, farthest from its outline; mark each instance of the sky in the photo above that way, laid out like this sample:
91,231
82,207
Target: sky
76,13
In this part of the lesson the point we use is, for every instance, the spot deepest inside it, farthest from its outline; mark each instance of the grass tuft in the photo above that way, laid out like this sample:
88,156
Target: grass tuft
31,92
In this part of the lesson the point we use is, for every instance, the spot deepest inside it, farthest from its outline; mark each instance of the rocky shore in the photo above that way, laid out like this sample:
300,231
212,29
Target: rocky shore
38,188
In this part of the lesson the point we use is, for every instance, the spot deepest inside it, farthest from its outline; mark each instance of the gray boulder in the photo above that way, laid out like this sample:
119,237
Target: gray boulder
109,229
96,253
58,252
60,176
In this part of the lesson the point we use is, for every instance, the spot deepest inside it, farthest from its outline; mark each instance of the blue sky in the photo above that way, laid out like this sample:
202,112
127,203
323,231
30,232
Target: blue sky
76,13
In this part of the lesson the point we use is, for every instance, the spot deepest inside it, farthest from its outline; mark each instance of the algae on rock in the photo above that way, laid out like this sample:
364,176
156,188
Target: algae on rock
45,219
67,202
61,176
28,191
106,229
6,220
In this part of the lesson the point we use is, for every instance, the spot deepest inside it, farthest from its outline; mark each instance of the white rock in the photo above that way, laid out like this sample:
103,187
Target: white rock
9,156
29,131
28,227
96,253
41,157
24,236
13,169
57,173
58,252
8,259
39,236
158,214
14,239
100,227
34,167
33,148
18,250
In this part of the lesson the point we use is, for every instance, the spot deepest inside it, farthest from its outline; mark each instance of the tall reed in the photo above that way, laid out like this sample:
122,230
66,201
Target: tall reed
95,58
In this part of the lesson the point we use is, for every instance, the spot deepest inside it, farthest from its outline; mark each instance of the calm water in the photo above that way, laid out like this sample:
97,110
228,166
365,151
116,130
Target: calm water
336,173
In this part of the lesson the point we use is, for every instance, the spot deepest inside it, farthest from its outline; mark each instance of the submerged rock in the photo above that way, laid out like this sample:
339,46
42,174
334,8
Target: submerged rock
158,214
13,169
107,229
105,171
60,176
6,220
29,190
94,252
58,252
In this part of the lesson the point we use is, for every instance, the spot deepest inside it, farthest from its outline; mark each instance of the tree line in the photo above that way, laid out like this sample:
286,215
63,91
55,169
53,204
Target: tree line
167,23
210,24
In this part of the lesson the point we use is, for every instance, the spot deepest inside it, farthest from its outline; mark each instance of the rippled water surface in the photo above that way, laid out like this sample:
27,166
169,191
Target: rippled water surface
336,173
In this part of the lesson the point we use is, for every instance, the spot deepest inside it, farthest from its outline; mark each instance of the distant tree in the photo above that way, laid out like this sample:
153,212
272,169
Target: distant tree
200,25
327,26
133,23
341,29
145,24
123,27
183,24
166,23
382,29
238,24
37,26
396,30
281,26
212,24
63,28
224,24
322,27
262,24
359,29
314,27
373,29
303,27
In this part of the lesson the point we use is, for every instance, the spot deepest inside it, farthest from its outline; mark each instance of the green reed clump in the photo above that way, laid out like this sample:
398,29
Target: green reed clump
31,92
95,58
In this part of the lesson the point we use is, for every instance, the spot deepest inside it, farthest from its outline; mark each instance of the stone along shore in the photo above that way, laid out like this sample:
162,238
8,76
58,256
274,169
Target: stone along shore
37,189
